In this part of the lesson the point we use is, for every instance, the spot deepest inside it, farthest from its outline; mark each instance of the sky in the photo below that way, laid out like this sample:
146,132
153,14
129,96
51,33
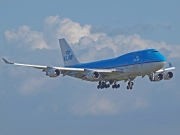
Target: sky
33,103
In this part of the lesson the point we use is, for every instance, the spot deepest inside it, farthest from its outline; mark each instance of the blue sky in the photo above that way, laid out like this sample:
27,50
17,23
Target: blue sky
32,103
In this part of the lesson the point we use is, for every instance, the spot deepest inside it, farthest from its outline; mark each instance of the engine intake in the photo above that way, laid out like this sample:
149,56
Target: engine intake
168,75
156,77
53,73
96,75
93,75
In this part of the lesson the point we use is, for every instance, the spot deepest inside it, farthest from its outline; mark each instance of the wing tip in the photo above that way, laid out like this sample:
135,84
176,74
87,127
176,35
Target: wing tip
7,62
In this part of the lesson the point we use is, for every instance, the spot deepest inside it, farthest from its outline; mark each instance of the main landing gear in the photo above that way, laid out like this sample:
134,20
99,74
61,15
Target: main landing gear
130,85
115,86
107,84
104,84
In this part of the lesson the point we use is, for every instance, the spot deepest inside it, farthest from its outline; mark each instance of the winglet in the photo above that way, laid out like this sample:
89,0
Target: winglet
170,65
7,62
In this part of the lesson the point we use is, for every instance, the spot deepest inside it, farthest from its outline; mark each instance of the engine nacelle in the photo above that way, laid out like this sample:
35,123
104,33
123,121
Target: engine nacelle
53,72
168,75
156,77
92,75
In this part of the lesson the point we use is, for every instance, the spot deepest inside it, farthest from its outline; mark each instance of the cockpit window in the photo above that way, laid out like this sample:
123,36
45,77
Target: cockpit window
153,51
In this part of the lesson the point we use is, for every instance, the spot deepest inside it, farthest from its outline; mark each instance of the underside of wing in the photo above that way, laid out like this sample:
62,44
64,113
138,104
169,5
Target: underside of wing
89,74
81,73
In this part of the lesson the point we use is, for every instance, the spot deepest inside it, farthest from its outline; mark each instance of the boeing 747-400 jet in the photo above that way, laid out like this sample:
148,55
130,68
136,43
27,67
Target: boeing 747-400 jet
127,67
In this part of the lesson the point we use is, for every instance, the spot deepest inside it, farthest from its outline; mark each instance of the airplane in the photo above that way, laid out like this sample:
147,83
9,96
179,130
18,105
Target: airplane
107,73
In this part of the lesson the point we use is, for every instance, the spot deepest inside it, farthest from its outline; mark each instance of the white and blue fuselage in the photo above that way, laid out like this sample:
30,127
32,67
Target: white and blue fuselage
130,65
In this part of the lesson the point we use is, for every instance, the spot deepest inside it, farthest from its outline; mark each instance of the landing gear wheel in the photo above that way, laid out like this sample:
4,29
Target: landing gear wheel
130,85
105,84
111,81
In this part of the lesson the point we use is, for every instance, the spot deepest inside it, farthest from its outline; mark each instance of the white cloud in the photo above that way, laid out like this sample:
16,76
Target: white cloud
82,37
121,44
24,36
66,28
143,28
139,102
94,105
104,103
33,86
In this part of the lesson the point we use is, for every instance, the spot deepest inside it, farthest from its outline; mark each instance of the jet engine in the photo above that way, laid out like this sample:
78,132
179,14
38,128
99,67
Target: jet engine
168,75
156,77
53,72
92,75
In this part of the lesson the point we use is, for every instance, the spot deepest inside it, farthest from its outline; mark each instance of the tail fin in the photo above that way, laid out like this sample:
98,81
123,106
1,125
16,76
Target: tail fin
68,55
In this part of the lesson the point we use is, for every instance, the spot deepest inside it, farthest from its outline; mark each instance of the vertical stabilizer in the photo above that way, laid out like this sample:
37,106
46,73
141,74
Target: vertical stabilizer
68,55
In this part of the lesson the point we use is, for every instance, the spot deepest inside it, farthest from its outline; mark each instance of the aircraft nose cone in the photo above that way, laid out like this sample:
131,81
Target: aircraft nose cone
161,58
